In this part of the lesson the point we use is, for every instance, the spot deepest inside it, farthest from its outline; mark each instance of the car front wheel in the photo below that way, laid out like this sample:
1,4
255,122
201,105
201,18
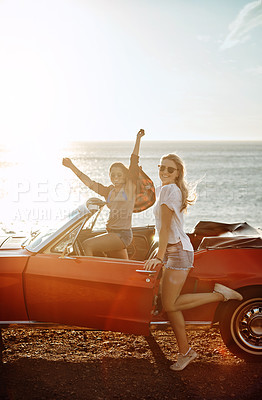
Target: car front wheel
241,326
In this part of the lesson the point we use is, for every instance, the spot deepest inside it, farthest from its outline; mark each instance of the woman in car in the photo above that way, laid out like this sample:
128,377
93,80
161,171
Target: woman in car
176,253
120,198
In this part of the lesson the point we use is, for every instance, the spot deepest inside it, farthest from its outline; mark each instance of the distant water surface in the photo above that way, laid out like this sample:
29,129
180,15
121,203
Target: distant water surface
36,194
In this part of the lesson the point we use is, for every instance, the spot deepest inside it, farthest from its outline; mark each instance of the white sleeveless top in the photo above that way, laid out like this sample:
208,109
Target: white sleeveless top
171,196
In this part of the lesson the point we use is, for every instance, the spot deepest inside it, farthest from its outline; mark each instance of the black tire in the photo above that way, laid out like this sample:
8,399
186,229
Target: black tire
241,325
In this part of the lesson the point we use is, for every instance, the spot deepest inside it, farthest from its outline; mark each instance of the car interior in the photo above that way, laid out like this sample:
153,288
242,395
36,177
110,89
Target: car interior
144,242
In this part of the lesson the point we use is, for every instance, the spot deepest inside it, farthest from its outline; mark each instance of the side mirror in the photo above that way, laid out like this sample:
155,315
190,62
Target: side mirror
68,250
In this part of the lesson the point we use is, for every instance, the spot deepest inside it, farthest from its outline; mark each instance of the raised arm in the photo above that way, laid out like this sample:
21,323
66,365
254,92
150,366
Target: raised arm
84,178
95,186
133,166
139,135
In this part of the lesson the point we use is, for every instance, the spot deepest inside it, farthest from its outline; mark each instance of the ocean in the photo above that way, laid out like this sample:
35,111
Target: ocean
37,191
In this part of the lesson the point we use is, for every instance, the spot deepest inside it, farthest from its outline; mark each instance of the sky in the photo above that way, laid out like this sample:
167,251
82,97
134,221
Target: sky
102,69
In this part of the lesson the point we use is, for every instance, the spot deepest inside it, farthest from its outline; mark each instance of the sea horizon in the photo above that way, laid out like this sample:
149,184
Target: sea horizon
35,186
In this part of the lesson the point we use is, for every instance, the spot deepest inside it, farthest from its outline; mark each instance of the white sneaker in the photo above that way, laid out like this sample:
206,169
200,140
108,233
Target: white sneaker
229,294
183,360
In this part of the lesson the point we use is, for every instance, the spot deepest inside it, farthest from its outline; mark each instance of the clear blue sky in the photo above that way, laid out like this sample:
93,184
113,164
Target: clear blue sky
100,69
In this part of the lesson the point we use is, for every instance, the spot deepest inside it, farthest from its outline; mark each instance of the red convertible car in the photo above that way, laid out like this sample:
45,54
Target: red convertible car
47,280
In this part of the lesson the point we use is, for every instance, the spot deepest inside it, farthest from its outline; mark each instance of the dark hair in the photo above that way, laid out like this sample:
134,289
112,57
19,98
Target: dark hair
119,165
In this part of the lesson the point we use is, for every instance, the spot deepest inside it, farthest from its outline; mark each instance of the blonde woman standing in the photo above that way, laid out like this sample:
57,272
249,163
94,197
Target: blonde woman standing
176,253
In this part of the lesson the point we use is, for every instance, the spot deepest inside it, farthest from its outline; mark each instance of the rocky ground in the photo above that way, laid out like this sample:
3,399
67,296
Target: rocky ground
62,364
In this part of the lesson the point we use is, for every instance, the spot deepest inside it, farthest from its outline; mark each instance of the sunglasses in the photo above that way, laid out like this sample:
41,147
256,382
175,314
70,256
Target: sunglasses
116,175
170,170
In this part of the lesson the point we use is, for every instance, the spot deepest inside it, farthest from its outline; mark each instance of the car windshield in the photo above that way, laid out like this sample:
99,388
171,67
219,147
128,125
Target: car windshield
42,235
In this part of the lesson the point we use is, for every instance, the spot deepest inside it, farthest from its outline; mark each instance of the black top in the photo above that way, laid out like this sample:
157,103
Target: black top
237,242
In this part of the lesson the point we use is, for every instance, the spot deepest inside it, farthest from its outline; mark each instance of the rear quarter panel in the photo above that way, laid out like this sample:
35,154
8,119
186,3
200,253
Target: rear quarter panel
234,268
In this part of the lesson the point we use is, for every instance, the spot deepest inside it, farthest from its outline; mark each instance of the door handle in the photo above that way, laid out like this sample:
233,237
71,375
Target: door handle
144,271
68,257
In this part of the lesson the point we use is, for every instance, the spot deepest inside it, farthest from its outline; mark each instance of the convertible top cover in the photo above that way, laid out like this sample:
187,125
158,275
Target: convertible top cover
219,235
211,228
237,242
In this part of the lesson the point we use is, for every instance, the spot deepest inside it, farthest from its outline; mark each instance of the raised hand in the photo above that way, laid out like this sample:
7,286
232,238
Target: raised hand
141,133
67,162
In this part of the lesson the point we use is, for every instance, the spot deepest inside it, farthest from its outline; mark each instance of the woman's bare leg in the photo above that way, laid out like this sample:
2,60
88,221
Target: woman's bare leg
172,284
179,302
192,300
108,242
179,328
173,303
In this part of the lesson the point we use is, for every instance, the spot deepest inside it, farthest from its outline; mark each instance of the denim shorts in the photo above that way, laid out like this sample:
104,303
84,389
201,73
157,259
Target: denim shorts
178,258
126,235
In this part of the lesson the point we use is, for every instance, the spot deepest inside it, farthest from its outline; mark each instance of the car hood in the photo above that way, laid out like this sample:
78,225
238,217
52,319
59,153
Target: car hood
11,242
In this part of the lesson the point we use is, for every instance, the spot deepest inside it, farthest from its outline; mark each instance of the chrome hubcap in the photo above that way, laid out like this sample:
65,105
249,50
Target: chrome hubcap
248,325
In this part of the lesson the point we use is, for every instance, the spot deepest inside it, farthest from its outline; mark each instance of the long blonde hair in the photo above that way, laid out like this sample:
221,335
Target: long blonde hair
188,193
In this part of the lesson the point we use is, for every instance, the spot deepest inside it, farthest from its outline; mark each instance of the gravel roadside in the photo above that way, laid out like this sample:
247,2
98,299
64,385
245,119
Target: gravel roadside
63,364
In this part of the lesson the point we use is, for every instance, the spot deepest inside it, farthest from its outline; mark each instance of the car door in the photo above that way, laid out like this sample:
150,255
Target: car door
92,292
